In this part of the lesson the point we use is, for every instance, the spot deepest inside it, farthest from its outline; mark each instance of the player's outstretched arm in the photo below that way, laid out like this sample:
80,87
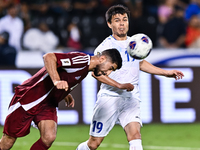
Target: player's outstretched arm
149,68
50,63
175,74
107,80
69,101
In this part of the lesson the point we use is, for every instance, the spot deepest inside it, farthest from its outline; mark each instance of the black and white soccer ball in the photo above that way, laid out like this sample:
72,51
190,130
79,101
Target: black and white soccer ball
139,46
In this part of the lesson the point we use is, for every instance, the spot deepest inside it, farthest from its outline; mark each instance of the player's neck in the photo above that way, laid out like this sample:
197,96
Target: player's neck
119,38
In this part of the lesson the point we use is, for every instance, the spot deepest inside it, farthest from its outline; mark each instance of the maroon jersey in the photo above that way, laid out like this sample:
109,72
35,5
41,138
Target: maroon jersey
39,89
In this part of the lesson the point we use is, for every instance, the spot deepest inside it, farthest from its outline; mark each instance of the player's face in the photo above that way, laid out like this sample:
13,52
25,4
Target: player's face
105,68
13,11
119,25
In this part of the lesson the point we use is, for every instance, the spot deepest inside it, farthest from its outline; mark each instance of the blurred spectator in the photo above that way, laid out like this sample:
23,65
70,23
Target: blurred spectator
135,7
192,9
142,19
167,7
193,33
2,8
173,34
41,39
62,10
165,10
24,14
3,5
74,38
13,25
42,12
7,52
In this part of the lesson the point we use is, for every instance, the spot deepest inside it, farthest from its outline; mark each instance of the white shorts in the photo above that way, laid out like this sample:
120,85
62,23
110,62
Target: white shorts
109,110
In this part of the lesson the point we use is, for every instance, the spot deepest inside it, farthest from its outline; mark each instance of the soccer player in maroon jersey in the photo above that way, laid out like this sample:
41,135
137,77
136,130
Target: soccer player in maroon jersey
36,99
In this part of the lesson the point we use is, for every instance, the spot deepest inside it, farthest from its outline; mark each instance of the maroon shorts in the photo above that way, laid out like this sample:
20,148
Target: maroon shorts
17,124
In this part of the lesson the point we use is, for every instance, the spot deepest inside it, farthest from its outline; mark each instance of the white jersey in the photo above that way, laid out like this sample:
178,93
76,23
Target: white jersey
128,73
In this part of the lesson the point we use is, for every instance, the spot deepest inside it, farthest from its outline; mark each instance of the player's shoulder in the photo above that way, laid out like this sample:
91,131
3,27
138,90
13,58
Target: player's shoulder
107,42
71,54
109,38
72,58
77,53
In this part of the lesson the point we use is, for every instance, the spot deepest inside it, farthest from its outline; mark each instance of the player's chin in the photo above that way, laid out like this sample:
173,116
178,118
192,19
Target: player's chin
122,35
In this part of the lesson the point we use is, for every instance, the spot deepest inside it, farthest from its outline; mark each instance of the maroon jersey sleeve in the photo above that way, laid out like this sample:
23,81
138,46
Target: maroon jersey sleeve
71,59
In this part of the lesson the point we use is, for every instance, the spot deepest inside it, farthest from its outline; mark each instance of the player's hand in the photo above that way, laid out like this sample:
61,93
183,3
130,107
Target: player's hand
61,85
127,86
175,74
69,101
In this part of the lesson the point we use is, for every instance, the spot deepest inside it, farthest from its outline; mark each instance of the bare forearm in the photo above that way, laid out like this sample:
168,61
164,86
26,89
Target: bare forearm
111,82
51,66
149,68
107,80
50,62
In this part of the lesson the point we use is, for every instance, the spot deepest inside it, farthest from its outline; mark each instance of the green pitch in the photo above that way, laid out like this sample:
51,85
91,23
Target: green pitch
154,136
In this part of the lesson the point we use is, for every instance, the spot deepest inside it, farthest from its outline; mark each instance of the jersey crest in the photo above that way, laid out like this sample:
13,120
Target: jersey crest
66,62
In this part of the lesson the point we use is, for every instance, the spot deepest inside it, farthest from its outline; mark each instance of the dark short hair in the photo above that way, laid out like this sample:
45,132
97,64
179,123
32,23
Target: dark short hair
116,9
114,55
11,6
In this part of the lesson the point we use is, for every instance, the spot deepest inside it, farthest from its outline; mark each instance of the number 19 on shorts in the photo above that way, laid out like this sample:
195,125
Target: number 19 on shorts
97,126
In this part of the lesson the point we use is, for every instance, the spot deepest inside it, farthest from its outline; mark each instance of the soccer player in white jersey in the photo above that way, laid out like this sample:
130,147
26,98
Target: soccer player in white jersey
36,98
115,104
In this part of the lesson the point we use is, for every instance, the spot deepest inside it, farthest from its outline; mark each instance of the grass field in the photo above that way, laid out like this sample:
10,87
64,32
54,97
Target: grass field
154,136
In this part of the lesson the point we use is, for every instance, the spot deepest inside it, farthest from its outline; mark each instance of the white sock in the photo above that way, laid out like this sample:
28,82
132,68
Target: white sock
135,145
83,146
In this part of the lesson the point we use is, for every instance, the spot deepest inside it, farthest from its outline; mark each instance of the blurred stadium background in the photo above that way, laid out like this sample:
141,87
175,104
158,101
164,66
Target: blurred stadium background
170,109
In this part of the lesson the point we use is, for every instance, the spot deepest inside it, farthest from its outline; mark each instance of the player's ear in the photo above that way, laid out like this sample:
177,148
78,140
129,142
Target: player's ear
109,25
102,58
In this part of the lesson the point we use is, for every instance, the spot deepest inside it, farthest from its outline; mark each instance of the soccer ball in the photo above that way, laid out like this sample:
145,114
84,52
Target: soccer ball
139,46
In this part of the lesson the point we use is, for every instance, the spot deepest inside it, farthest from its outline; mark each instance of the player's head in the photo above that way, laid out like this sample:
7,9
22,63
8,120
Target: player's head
110,60
12,10
114,56
117,18
116,9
